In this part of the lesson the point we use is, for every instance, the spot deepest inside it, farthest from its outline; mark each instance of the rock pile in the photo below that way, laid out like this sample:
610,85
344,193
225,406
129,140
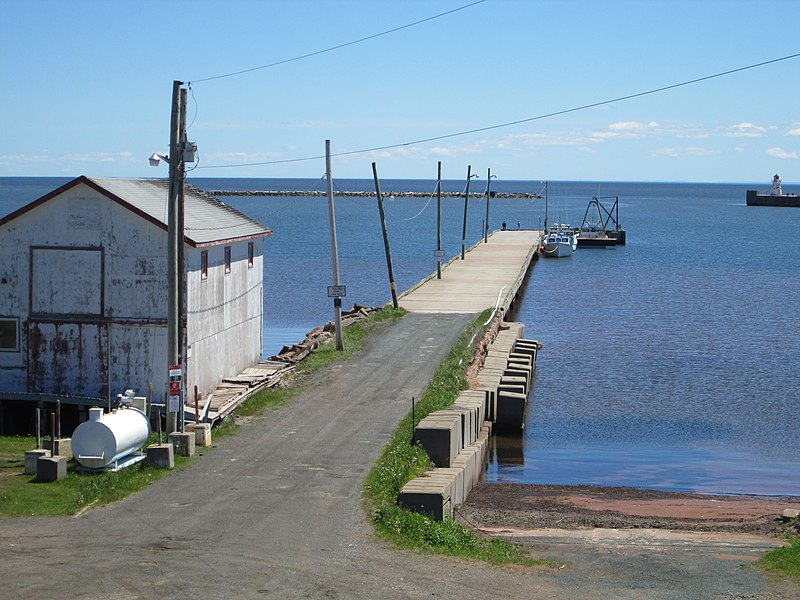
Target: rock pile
319,335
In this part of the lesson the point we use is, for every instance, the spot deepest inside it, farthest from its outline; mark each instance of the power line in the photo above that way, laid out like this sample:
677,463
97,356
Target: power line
517,122
340,46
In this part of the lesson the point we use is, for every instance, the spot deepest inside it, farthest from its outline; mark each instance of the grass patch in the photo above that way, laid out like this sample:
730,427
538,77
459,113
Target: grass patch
784,561
400,462
22,495
353,337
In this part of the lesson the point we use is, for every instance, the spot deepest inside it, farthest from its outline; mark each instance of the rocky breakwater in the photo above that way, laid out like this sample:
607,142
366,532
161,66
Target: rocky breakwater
365,194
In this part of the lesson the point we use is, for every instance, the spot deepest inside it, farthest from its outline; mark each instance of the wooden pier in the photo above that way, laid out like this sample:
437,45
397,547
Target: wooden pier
490,275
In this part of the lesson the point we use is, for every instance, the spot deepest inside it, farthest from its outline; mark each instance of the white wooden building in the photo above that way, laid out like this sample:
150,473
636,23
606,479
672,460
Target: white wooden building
83,290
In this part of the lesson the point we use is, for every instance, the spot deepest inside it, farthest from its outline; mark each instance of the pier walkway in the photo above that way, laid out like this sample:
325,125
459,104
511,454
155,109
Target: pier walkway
491,270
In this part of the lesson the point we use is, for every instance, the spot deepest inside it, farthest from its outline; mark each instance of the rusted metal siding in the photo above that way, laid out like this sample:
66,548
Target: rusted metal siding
68,358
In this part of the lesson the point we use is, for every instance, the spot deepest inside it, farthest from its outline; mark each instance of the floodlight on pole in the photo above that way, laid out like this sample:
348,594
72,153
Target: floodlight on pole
156,158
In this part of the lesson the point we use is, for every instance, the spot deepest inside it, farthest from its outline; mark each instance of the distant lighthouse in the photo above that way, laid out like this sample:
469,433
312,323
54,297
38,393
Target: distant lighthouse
776,186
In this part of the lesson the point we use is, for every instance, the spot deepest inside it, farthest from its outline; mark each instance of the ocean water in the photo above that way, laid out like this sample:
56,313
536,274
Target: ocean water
669,363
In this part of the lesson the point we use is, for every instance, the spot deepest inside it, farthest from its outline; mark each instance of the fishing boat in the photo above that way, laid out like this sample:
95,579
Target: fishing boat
600,226
559,241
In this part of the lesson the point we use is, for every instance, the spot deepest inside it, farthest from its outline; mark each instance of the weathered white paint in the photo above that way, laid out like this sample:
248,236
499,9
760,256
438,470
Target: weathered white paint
87,277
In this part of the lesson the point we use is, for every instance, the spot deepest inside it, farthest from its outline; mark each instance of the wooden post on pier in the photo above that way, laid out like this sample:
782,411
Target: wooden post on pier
466,207
385,237
439,252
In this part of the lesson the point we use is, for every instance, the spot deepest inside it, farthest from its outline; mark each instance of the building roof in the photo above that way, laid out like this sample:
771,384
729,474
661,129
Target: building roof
207,221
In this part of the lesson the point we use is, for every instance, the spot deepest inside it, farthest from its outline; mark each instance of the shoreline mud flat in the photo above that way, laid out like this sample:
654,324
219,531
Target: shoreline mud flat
518,506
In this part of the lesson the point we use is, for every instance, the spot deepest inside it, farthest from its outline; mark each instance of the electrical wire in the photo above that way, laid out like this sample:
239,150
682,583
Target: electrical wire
340,46
512,123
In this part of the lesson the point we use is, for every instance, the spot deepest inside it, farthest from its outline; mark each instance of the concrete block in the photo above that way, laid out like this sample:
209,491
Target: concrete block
441,437
456,478
202,433
63,446
464,463
467,423
161,456
51,468
427,496
183,442
31,458
510,411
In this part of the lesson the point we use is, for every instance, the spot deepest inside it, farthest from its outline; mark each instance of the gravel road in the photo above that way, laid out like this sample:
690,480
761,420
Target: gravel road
276,512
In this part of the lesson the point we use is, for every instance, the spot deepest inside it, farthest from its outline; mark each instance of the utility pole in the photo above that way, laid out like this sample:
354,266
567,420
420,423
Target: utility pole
439,252
385,237
466,206
175,240
488,195
336,292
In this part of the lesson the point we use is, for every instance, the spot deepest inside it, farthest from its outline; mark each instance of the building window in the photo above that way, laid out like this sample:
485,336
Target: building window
204,265
251,254
9,334
227,259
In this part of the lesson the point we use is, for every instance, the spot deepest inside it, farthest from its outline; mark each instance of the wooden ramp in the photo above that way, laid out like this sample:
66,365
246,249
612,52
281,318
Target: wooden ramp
233,390
489,270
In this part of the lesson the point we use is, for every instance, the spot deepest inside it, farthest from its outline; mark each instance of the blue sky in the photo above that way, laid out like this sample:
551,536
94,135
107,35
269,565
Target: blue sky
86,87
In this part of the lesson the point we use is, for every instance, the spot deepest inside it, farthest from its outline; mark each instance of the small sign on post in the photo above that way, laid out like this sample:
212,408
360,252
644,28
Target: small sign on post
337,291
175,383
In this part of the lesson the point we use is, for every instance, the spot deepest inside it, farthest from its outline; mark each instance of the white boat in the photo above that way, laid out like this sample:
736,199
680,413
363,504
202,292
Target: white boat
559,241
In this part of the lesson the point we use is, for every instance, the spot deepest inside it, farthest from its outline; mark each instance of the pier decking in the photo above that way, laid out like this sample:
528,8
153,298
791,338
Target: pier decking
474,284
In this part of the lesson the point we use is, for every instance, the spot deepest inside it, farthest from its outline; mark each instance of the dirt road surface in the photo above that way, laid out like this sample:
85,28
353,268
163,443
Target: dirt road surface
276,512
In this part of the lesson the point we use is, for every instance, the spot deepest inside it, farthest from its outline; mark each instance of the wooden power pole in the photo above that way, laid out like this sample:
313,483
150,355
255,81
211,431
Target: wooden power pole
386,247
175,277
439,253
336,290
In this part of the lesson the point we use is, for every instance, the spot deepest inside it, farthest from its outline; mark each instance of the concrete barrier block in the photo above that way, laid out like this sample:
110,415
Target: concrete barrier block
427,496
63,446
161,456
510,411
468,423
202,433
456,478
464,464
183,443
51,468
440,437
31,458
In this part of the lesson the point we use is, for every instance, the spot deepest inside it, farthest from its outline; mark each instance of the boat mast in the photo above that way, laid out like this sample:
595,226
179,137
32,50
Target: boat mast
546,205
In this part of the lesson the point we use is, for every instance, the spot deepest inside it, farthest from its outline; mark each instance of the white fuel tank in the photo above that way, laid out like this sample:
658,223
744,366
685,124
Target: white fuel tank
105,438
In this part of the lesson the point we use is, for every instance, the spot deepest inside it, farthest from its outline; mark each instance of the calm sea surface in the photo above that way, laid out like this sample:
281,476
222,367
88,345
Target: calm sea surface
669,363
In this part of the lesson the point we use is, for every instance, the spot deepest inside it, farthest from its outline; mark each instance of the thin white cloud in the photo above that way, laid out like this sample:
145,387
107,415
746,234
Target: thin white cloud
698,151
633,126
794,132
781,153
745,130
672,152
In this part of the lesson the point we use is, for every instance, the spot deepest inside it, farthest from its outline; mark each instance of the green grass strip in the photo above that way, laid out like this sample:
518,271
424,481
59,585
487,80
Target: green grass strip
400,462
785,560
